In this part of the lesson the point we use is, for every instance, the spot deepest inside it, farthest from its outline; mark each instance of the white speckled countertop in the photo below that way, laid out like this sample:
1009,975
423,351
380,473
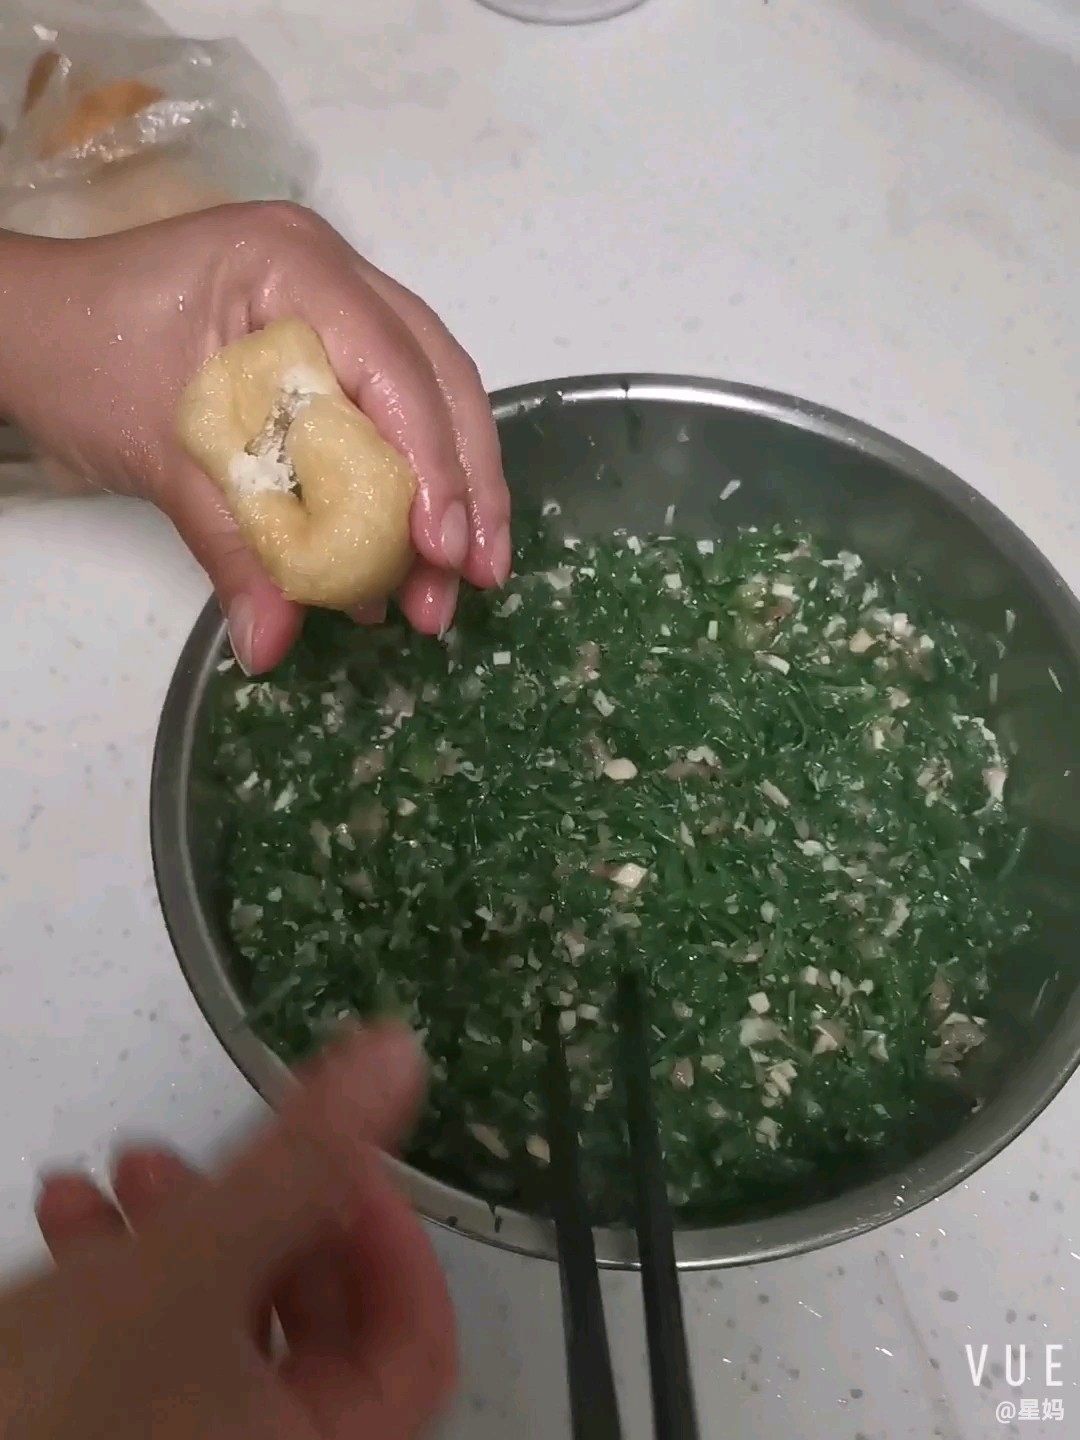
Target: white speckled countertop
873,203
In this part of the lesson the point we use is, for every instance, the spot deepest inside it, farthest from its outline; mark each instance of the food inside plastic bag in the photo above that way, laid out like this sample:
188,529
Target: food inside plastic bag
108,128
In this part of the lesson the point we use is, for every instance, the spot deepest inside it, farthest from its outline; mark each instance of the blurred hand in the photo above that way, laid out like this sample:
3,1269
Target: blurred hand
161,1330
102,335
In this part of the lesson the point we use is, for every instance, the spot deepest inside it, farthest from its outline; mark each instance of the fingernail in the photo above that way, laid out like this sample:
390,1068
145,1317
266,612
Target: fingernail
241,626
501,556
454,538
58,1175
449,605
157,1169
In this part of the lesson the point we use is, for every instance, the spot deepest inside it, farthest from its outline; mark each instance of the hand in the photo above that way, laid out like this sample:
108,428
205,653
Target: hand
110,330
163,1331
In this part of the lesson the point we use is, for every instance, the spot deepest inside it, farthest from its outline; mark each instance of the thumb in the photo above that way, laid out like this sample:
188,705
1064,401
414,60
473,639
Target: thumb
263,624
302,1178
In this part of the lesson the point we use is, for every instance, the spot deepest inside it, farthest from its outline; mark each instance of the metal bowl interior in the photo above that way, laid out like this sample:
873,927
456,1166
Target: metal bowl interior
619,452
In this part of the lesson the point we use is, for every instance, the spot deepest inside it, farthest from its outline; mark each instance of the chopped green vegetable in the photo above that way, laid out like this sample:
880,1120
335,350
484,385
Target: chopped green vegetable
755,769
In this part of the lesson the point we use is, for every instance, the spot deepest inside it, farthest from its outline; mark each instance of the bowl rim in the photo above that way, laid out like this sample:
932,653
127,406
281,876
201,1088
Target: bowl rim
824,1223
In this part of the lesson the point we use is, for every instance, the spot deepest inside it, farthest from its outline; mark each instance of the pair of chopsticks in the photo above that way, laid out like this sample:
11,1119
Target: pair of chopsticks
594,1408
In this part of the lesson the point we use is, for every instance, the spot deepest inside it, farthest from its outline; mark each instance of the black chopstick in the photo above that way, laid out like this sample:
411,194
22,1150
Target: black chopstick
594,1409
674,1411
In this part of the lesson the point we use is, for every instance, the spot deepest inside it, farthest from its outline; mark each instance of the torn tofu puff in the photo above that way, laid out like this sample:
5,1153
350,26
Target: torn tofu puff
315,490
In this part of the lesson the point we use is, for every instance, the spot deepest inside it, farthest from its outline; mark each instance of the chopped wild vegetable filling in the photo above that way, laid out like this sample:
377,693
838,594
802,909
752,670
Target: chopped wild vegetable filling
756,769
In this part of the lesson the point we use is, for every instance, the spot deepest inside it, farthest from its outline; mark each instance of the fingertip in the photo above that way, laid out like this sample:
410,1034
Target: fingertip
143,1177
71,1211
263,626
380,1062
491,557
428,599
64,1189
241,621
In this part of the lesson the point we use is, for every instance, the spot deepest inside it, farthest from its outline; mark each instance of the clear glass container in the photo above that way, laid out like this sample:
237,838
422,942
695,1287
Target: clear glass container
562,12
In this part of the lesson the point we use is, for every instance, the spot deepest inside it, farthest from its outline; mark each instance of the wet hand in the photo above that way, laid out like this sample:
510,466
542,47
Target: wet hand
110,330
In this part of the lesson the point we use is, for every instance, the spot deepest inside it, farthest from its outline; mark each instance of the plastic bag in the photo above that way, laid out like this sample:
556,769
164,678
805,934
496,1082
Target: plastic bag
107,120
107,127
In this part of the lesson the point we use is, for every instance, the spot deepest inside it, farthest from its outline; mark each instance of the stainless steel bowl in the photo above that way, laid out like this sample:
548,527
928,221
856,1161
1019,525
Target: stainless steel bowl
621,451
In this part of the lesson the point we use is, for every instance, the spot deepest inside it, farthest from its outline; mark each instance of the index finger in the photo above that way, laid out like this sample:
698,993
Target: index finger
489,558
293,1185
382,368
